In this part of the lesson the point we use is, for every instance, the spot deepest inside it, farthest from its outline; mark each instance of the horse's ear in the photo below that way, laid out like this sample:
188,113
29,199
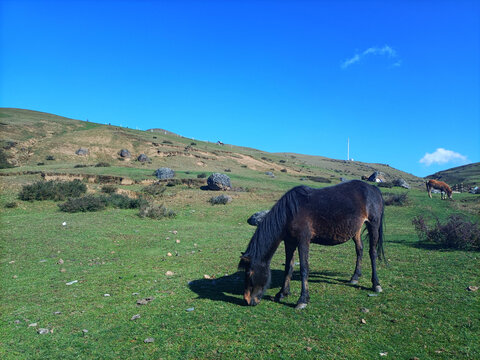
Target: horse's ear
244,262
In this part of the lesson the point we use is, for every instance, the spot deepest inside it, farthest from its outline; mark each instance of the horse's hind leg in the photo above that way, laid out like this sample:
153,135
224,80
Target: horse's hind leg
359,250
289,261
373,232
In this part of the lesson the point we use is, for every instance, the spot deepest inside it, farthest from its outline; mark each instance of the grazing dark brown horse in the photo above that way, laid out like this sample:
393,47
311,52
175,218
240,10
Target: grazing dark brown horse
327,216
439,185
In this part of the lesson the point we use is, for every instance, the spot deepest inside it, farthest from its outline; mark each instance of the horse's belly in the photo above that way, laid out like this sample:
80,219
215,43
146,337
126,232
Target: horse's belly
330,240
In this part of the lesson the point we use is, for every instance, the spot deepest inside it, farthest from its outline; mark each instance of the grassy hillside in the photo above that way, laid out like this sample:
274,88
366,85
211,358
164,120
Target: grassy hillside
466,174
30,137
188,264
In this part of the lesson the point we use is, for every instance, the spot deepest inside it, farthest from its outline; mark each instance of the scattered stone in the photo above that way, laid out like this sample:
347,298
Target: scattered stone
218,181
17,322
82,151
207,276
84,331
71,282
124,153
164,173
190,309
15,276
106,295
401,183
63,270
257,218
363,321
57,312
135,294
12,262
60,262
177,241
32,325
135,317
143,158
377,177
169,273
64,223
144,301
364,310
169,254
149,340
43,331
342,179
472,288
174,232
384,353
271,174
42,261
371,295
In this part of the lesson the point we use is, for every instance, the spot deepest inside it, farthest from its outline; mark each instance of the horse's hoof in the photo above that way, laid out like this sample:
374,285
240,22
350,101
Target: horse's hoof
301,306
378,289
354,282
278,298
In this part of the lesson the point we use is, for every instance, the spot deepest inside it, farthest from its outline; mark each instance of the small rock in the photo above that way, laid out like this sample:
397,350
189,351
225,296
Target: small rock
63,270
71,282
384,353
17,322
364,310
371,295
43,331
57,312
144,301
169,254
207,276
169,273
84,331
135,294
149,340
106,295
363,321
190,309
472,288
135,317
42,261
12,262
32,325
64,223
60,262
177,241
175,232
15,276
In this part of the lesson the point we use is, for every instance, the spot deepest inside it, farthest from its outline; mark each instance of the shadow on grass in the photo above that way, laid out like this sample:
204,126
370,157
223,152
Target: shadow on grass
424,245
230,288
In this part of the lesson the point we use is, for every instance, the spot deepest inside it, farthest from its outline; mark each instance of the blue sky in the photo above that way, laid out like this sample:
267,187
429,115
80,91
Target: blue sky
401,79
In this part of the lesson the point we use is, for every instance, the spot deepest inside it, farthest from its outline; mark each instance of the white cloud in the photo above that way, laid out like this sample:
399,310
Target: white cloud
383,51
443,156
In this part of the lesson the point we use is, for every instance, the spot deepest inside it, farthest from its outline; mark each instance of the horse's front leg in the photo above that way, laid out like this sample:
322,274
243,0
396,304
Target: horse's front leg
290,247
303,250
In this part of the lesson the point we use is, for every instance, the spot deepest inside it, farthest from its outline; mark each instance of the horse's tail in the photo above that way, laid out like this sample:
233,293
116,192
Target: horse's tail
380,252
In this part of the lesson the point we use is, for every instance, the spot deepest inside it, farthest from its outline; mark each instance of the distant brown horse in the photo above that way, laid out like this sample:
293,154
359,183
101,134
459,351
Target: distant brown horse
439,185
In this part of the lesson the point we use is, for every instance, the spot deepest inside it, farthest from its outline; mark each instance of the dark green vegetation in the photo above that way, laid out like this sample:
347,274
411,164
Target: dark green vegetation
466,174
188,264
52,190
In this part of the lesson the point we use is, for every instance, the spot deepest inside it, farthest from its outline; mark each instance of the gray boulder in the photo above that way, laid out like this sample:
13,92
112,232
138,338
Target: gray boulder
124,153
377,176
401,183
82,151
257,218
271,174
218,181
165,173
143,158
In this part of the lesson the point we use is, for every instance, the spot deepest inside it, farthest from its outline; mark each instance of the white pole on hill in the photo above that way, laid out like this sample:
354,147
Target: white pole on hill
348,149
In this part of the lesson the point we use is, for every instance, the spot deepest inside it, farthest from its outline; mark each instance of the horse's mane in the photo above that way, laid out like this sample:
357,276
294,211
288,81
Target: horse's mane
265,240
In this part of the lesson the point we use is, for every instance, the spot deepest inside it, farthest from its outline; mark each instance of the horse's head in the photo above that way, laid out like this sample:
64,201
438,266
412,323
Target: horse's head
257,279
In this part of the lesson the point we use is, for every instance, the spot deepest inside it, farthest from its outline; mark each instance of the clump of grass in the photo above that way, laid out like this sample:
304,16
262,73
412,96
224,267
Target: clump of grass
52,190
109,189
385,184
50,158
97,203
102,164
4,164
40,164
201,176
154,211
456,233
220,200
167,142
11,205
155,189
80,166
319,179
83,204
396,199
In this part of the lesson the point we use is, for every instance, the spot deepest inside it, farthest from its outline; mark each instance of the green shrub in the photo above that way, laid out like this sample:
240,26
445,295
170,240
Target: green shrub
155,189
396,199
102,164
40,164
4,164
385,184
319,179
167,142
80,166
109,189
50,158
201,176
83,204
456,233
220,200
153,211
52,190
11,205
122,202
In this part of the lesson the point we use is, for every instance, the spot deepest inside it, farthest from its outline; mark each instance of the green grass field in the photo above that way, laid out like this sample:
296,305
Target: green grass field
425,310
